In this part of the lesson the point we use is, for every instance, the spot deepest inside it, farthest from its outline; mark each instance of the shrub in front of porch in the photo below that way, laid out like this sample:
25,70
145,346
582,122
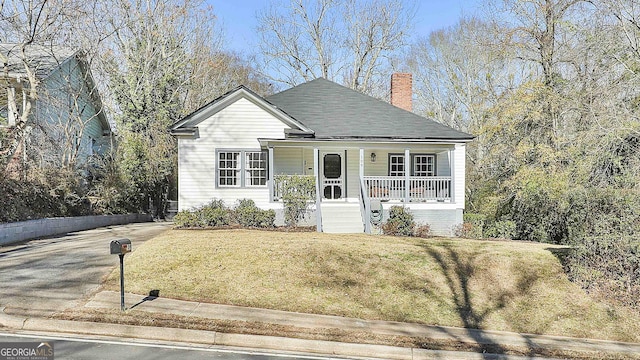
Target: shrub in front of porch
297,194
247,214
217,214
400,222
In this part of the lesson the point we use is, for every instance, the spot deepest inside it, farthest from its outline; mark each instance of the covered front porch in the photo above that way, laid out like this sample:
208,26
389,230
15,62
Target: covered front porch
383,188
424,175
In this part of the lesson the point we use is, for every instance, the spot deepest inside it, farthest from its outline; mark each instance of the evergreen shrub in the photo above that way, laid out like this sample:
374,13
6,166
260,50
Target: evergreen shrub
400,222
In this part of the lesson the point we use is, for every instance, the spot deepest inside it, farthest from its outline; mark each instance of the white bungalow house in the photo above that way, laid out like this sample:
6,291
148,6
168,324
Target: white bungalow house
364,154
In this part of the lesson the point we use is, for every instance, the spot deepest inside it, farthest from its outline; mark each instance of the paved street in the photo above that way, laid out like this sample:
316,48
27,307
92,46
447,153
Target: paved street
41,277
76,348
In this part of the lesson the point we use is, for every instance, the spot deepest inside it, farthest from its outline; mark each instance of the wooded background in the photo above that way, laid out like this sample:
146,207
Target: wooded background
550,89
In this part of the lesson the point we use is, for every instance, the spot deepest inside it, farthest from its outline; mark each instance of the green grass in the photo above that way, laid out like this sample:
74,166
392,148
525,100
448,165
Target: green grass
511,286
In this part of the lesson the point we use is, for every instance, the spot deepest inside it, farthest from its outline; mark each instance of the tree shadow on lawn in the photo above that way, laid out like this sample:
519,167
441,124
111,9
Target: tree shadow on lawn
458,273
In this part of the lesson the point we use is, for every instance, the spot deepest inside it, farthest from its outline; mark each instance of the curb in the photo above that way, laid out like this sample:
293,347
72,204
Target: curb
206,337
390,328
263,342
258,342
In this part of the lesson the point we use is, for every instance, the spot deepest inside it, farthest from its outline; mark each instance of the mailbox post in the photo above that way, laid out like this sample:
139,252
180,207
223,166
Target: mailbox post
120,247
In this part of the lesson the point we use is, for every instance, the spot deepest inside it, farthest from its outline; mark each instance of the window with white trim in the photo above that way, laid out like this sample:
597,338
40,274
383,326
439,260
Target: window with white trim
396,165
228,168
241,168
256,168
421,165
424,165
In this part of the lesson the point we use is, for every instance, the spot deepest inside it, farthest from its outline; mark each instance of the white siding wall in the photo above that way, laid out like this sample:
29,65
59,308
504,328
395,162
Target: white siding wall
288,160
353,173
238,126
442,164
308,161
378,168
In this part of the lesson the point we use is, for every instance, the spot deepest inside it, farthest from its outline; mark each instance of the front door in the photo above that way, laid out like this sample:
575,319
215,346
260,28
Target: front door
332,175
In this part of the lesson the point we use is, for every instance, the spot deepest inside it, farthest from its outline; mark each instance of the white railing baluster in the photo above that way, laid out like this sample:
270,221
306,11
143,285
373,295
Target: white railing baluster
428,188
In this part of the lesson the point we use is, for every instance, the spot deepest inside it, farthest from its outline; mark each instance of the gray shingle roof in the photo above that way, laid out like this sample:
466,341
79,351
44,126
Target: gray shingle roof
334,111
42,59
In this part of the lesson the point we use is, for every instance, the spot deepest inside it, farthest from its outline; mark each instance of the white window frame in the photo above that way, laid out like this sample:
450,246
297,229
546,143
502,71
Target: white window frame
242,169
228,168
423,173
249,169
398,160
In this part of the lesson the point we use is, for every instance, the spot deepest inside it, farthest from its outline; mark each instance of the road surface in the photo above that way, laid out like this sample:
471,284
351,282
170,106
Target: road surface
77,348
42,277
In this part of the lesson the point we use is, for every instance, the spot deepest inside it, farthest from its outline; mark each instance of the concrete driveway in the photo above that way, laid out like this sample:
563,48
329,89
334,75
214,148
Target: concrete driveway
42,277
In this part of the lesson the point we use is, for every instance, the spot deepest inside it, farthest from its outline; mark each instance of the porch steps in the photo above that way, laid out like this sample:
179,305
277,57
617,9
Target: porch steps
341,218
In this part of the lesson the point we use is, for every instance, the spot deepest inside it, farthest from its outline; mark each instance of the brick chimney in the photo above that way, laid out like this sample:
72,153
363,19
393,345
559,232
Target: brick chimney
401,91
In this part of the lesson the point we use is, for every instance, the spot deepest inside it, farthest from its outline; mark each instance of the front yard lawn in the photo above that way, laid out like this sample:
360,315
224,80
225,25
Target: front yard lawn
511,286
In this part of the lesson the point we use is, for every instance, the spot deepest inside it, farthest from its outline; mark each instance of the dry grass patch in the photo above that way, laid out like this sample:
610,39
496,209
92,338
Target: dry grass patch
142,318
509,286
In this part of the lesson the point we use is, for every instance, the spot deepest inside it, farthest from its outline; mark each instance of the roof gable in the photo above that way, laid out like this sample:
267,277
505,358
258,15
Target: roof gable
45,61
42,60
334,112
187,126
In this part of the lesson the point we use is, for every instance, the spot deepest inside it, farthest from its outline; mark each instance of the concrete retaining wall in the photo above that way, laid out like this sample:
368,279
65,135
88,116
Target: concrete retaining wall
26,230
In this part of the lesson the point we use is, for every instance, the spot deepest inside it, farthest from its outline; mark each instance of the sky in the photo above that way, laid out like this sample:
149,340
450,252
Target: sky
238,18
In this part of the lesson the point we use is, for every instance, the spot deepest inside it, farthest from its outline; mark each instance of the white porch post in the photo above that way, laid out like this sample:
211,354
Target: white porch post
363,198
270,174
407,175
452,171
361,168
316,174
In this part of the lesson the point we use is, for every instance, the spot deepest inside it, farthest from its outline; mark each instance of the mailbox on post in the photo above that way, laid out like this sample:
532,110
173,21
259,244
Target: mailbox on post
120,247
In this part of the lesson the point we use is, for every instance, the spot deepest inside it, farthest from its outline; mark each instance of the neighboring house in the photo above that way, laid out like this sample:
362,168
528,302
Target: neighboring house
67,123
364,154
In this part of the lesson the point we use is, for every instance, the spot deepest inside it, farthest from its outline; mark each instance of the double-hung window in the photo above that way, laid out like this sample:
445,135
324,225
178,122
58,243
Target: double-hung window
424,165
229,168
396,165
421,165
255,168
241,168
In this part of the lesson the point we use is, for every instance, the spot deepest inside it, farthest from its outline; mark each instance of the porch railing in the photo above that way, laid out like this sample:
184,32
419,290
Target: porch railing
281,181
428,188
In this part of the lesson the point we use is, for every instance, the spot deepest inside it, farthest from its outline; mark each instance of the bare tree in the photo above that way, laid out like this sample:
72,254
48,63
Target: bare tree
348,41
25,24
163,61
540,31
215,72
